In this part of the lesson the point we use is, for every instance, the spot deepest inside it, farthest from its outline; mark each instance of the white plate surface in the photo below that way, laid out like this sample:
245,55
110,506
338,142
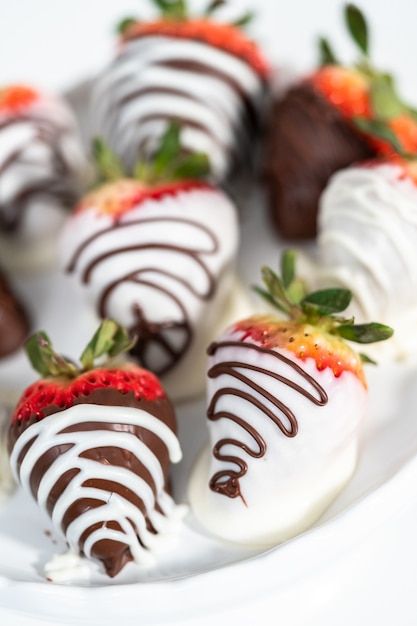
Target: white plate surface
201,576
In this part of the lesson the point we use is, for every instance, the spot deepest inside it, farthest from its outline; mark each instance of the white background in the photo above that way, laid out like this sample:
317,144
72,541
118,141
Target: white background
54,44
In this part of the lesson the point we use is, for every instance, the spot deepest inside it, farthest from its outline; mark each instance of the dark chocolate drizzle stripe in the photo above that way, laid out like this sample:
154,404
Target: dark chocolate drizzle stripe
56,184
145,329
226,482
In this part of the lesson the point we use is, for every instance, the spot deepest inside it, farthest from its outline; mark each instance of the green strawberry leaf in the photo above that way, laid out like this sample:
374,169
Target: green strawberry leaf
328,301
169,148
288,267
122,342
169,163
45,360
109,339
243,21
194,166
380,130
108,164
124,24
213,6
172,9
276,289
365,333
357,27
318,308
385,102
367,359
327,56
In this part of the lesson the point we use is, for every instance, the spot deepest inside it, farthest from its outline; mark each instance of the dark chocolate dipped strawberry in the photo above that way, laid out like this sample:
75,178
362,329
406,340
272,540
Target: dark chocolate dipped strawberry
14,320
205,74
286,399
157,253
93,445
333,118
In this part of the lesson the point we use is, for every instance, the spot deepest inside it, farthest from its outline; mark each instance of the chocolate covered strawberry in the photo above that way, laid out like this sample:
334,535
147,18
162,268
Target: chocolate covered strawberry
93,445
367,239
334,117
157,253
14,320
42,171
286,398
206,74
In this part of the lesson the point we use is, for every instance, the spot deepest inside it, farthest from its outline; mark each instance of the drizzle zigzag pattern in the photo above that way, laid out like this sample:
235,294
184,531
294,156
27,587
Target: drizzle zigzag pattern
227,481
114,516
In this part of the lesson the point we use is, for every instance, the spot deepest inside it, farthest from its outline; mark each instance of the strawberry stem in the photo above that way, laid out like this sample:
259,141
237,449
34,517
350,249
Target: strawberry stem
319,308
110,339
169,162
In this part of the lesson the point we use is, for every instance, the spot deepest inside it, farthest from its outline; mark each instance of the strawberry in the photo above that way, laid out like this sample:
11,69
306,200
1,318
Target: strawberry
366,239
14,321
16,98
285,401
208,75
364,95
337,116
78,441
43,170
156,252
227,37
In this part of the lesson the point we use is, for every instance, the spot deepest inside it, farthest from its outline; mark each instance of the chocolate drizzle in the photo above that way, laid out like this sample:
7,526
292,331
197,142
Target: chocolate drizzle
55,181
101,456
172,336
230,129
227,481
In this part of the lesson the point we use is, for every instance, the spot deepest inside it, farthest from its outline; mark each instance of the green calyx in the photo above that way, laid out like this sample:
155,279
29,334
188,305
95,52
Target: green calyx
109,342
386,103
167,164
178,10
320,308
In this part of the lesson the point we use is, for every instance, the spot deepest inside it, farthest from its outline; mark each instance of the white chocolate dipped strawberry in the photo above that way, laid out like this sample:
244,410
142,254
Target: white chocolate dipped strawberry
93,446
367,239
42,172
157,253
206,74
286,399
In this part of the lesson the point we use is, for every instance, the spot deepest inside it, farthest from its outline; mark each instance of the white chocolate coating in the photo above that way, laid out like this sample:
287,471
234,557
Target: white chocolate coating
284,490
367,242
177,267
144,88
47,433
42,172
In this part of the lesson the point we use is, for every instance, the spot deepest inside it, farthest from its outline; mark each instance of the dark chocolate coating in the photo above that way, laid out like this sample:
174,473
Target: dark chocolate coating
307,140
14,323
